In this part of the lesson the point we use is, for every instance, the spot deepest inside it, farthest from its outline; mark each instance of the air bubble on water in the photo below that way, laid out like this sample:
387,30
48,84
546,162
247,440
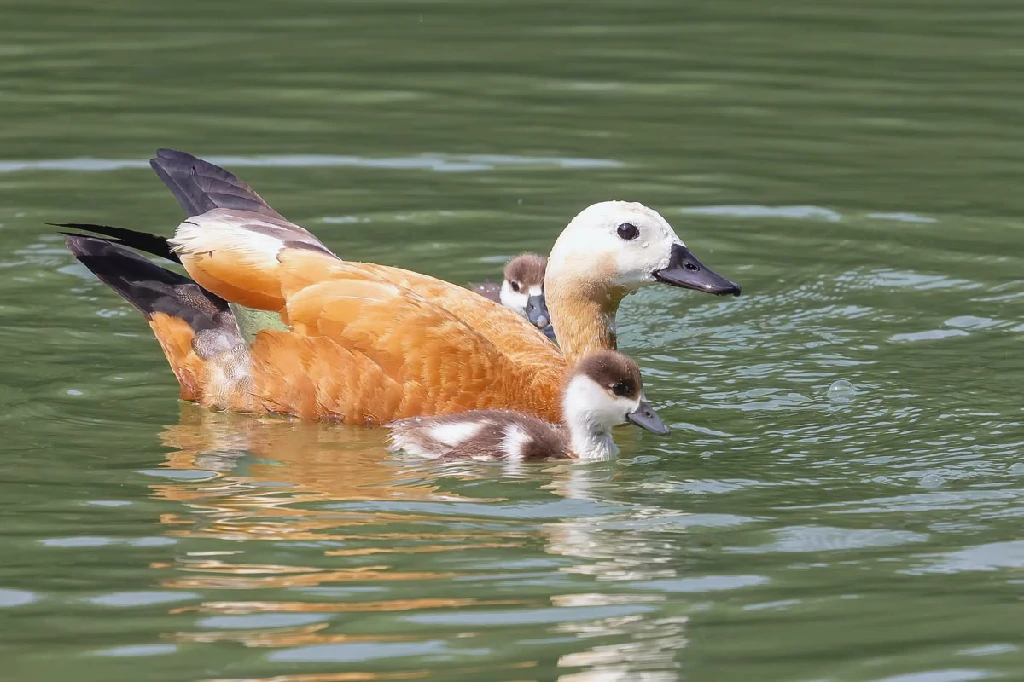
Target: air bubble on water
1017,469
74,391
931,481
841,391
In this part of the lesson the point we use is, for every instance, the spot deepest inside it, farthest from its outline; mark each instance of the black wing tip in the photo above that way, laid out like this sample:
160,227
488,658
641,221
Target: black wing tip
168,154
200,186
82,245
152,244
90,246
90,226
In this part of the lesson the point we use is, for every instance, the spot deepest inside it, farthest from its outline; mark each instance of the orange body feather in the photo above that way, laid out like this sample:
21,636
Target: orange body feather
368,344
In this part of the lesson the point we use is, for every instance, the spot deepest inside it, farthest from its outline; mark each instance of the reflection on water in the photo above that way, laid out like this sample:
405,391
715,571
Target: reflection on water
337,494
854,165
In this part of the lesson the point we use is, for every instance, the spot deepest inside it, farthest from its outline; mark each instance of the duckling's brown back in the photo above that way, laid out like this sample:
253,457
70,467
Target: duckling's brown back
481,434
488,289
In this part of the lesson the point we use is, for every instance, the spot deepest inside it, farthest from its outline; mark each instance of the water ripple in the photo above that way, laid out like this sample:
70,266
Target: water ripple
448,163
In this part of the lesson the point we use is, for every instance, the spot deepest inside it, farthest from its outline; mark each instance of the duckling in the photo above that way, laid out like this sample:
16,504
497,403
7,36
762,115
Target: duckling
522,290
603,391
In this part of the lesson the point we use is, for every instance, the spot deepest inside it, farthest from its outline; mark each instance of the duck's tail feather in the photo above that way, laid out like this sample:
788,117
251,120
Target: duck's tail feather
200,186
195,328
149,243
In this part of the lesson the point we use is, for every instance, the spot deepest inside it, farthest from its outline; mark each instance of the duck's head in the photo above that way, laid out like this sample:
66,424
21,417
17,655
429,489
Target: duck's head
603,391
522,289
626,245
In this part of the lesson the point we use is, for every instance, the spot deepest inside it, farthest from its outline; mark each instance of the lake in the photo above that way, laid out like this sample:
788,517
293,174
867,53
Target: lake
842,493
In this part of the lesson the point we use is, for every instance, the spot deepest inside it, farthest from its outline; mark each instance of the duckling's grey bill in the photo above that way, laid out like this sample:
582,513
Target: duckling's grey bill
645,417
537,311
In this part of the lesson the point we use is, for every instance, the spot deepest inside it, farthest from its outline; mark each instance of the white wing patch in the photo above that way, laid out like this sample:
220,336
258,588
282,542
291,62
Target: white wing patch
515,441
219,230
454,435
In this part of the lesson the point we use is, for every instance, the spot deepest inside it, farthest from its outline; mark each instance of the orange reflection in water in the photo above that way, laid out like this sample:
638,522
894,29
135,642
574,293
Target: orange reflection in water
321,461
364,677
278,480
274,480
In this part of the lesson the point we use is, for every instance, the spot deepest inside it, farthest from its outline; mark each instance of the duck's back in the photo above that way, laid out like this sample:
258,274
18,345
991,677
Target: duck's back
481,434
367,343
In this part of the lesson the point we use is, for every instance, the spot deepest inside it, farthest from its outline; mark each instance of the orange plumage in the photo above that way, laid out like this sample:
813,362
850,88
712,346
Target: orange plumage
366,348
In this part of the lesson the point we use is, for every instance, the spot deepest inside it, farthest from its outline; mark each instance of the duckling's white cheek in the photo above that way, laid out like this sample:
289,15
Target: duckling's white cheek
624,407
513,300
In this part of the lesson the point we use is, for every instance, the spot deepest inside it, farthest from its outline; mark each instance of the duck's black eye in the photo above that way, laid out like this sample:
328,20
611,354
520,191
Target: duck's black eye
628,231
515,286
620,389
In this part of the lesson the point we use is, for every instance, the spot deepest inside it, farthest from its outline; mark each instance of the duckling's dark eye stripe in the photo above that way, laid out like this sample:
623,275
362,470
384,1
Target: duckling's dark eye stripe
620,389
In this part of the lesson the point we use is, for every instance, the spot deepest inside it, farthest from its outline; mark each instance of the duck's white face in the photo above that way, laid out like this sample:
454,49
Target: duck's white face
626,244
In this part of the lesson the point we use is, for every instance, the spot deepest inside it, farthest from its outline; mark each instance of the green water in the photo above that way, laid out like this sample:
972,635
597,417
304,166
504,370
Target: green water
856,166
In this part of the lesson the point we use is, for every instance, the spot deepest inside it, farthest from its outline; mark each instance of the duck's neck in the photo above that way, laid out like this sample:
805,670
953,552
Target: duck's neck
590,441
583,316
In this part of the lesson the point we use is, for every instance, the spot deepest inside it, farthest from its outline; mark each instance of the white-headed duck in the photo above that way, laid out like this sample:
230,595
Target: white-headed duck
367,343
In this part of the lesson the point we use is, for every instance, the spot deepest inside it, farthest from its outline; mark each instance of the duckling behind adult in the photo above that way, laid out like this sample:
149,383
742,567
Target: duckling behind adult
603,391
522,290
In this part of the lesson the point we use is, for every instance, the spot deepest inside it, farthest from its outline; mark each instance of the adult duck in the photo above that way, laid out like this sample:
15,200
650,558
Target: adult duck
369,344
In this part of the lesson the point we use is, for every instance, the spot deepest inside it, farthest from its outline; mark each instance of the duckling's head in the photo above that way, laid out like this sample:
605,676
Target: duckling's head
603,391
626,245
522,290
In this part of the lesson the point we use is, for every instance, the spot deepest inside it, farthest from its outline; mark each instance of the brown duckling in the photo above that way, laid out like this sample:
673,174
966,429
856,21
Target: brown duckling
522,290
603,391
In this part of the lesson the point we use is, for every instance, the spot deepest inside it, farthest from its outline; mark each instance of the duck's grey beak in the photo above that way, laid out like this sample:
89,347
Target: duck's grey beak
645,417
549,332
537,311
684,270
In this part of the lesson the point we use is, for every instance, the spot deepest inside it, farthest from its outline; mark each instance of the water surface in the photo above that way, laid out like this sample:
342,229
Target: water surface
857,168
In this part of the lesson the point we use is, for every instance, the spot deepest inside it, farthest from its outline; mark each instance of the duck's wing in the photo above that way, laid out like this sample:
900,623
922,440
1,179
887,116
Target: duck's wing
200,186
371,351
512,334
367,343
205,188
241,257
